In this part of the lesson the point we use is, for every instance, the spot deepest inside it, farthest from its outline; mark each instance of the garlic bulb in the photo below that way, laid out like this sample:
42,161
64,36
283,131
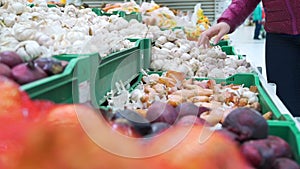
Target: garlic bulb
28,49
172,36
16,8
229,71
242,69
43,39
186,56
71,11
194,52
127,44
23,31
185,48
9,19
176,52
179,34
168,65
194,64
185,69
161,40
73,36
157,64
216,73
169,45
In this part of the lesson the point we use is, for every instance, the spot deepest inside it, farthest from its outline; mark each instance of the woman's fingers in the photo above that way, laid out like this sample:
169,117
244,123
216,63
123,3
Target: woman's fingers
224,28
207,35
204,41
218,30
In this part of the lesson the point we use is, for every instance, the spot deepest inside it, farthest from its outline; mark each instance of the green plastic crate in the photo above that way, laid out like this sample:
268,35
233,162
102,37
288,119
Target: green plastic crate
224,43
56,88
133,15
146,52
247,79
99,12
84,71
250,79
174,28
120,66
289,132
123,14
49,5
229,50
70,85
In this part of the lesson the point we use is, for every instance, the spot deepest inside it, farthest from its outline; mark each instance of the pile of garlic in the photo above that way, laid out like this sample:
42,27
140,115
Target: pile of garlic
42,31
186,56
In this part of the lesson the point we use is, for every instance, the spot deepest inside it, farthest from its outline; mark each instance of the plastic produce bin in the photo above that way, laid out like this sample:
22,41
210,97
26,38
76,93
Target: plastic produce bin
229,50
123,14
49,5
84,72
246,79
249,79
289,132
278,126
56,88
120,66
224,43
70,85
133,15
174,28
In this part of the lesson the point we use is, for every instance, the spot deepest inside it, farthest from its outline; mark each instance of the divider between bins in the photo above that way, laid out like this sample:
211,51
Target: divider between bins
83,71
263,96
288,131
56,88
123,14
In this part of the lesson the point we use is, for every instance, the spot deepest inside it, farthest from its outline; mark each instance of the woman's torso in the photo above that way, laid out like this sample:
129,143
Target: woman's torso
282,16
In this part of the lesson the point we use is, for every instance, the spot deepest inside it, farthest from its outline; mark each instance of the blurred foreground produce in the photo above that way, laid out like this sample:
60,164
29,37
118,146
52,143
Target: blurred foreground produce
40,134
128,7
12,66
170,100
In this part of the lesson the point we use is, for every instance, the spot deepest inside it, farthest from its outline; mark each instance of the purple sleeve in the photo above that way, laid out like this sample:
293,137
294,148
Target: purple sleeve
237,12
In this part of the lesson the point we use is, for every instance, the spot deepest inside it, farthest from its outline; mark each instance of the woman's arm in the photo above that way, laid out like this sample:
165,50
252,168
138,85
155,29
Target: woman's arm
231,18
237,12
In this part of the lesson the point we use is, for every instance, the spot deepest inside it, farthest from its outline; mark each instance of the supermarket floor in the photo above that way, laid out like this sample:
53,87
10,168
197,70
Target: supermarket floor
242,40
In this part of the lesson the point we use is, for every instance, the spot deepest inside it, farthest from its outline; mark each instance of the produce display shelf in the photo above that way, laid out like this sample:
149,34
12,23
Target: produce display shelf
121,66
246,79
174,28
270,92
289,132
280,125
66,86
224,43
56,88
123,14
98,75
49,5
229,50
84,72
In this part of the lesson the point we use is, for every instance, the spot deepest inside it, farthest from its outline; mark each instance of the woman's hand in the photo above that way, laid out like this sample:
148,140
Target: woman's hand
218,30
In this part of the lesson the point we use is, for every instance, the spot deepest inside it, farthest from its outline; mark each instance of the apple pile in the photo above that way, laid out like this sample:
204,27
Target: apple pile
15,68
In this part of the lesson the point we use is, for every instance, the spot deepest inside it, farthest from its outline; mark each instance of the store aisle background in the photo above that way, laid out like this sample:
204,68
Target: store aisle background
242,40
